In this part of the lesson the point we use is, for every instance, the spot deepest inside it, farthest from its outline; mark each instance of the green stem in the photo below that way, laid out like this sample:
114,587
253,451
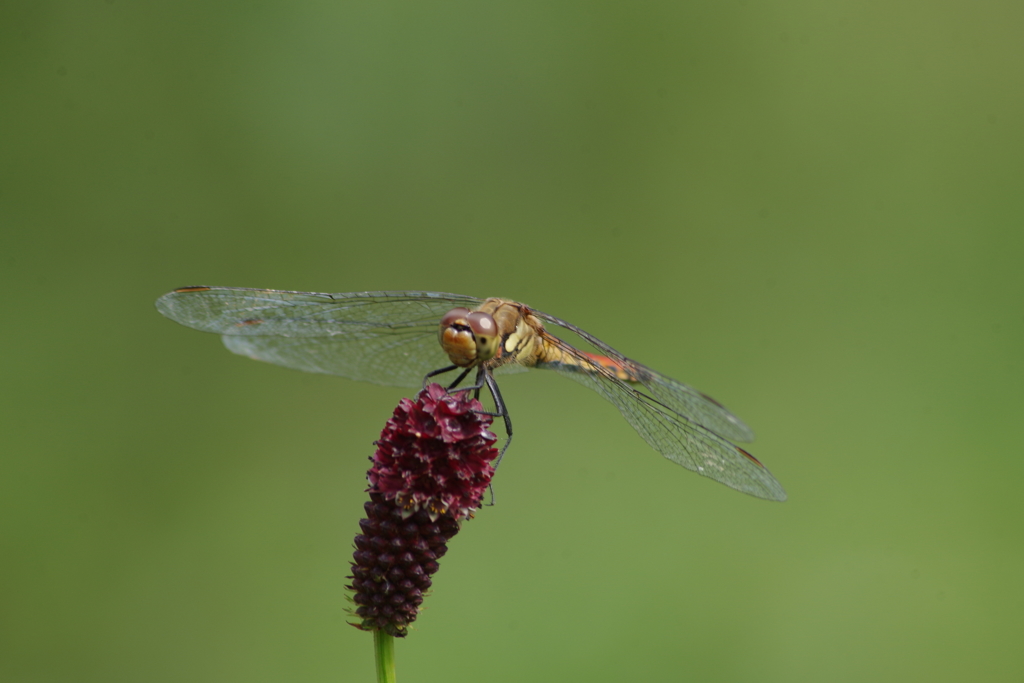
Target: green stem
384,654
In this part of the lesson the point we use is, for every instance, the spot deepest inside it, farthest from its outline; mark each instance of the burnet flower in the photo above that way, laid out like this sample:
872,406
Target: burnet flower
430,472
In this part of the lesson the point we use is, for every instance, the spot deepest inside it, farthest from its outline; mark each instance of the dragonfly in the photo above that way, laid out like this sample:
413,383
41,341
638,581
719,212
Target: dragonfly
405,338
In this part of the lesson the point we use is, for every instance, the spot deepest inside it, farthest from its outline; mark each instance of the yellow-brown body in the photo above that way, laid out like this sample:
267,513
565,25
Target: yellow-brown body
501,332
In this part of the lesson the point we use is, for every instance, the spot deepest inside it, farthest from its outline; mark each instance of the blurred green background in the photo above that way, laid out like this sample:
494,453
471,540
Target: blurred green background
812,211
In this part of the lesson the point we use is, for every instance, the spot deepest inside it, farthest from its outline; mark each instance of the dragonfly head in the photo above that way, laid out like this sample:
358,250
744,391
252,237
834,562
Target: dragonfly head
468,337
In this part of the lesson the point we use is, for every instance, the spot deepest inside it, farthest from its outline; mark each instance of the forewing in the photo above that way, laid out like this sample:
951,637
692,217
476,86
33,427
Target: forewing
382,337
678,398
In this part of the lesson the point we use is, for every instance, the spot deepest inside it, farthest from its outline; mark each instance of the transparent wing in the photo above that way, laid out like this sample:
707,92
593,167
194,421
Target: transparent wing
674,419
676,396
382,337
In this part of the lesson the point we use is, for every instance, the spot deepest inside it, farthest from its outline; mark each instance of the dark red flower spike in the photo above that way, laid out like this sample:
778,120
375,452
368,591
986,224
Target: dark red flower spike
431,470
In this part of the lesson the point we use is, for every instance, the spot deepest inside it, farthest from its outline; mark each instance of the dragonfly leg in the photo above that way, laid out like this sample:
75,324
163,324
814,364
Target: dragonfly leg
458,380
486,379
500,410
483,379
441,372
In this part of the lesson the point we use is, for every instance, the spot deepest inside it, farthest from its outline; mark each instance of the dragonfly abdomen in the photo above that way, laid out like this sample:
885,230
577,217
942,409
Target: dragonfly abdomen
589,363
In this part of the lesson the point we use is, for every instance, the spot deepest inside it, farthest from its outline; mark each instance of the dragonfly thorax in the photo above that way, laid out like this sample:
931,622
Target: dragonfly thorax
468,337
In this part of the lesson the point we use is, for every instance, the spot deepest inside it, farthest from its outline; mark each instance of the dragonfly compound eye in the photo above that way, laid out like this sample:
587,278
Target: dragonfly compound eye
485,333
454,317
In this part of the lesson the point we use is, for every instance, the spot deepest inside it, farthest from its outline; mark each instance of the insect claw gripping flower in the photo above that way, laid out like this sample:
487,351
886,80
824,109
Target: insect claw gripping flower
430,471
